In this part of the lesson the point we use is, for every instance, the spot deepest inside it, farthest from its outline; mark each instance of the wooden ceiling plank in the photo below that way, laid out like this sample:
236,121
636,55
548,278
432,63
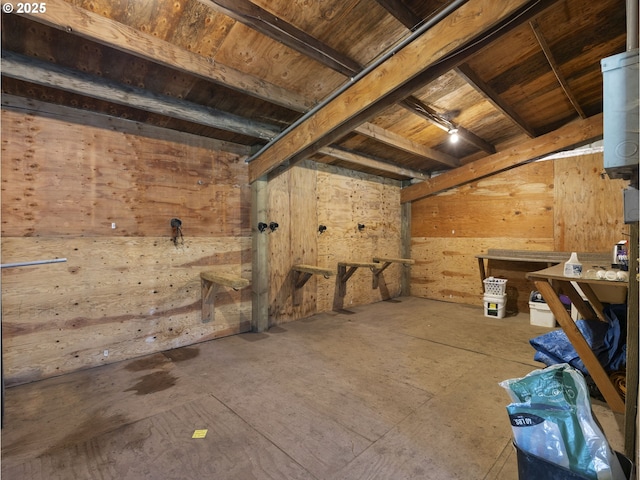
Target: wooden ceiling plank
398,141
492,96
365,161
403,14
423,110
36,71
556,68
277,29
569,136
475,24
78,21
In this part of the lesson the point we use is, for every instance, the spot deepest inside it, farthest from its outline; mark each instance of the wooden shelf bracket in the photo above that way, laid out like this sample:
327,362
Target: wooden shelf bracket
301,274
344,274
386,262
210,282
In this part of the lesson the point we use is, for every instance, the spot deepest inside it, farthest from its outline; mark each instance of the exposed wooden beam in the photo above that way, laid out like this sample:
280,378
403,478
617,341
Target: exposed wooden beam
401,143
447,44
477,24
402,13
36,71
492,96
556,68
365,161
571,135
420,108
78,21
273,27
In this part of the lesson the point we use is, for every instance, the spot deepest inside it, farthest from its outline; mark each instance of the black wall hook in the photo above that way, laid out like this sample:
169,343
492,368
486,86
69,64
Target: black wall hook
273,226
322,228
176,231
361,226
262,227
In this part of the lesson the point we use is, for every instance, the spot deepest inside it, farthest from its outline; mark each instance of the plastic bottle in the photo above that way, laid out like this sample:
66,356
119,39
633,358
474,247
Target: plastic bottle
573,267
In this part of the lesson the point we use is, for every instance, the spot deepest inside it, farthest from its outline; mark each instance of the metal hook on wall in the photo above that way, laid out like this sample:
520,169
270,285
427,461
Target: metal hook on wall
176,231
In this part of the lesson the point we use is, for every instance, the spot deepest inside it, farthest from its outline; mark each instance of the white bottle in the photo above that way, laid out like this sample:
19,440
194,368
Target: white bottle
573,267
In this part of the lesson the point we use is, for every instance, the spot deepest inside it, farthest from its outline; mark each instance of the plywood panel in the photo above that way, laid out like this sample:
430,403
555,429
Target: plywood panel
588,206
125,291
128,296
562,204
516,203
446,269
57,183
346,199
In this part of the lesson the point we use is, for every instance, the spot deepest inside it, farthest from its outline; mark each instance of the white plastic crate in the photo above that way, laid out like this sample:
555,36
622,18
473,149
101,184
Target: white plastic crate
494,286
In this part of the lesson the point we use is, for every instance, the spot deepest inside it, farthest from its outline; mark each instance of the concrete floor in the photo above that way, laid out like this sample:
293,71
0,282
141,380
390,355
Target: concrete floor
396,390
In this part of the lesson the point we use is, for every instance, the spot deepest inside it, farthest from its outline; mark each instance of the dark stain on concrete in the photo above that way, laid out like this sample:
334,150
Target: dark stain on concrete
149,362
153,383
181,354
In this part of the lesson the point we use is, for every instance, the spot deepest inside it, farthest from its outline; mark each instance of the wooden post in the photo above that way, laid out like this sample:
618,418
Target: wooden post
260,257
405,238
631,404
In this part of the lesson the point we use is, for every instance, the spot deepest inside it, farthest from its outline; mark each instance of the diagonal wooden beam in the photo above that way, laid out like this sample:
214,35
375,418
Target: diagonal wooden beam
492,96
402,13
273,27
398,141
571,135
78,21
418,107
365,161
44,73
556,68
446,45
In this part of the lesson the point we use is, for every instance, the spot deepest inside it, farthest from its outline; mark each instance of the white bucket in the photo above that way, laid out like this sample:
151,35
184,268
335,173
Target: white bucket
494,305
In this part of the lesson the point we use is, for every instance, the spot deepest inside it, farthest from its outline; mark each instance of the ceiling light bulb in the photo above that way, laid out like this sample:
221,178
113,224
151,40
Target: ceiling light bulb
454,137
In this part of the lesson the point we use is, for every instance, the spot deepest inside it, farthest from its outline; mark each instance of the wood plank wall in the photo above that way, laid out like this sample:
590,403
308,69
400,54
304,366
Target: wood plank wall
124,291
313,194
566,204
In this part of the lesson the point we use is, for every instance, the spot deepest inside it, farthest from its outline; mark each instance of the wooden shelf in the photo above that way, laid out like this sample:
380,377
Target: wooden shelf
304,273
209,281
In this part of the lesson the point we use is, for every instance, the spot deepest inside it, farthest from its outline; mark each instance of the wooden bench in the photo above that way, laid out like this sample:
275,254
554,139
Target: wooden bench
302,273
209,281
344,274
386,262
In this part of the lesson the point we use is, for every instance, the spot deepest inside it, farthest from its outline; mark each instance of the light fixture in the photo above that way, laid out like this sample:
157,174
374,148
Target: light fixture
453,135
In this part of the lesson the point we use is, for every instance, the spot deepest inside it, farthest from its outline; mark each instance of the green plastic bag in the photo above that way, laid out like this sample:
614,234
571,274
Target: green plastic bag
551,417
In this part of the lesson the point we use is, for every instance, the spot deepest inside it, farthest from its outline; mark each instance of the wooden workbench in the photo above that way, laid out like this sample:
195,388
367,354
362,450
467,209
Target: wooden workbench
543,280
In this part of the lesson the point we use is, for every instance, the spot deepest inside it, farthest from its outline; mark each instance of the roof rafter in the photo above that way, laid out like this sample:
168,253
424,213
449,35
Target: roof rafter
94,27
43,73
425,111
571,135
492,96
366,161
398,141
556,68
433,53
402,13
277,29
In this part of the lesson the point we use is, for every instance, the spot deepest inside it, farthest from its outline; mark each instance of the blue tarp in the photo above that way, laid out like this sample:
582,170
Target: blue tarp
606,339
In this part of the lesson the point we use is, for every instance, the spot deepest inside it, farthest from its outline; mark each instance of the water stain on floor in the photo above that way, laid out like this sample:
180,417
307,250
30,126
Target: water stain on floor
181,354
153,382
149,362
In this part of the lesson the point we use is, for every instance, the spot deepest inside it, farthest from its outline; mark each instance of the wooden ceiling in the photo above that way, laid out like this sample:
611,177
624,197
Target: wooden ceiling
370,85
